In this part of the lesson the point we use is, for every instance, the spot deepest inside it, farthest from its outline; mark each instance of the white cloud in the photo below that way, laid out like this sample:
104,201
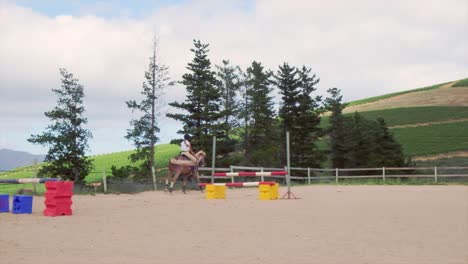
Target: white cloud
366,48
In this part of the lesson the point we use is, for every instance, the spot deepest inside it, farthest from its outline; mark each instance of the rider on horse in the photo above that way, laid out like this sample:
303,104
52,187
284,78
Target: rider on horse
186,149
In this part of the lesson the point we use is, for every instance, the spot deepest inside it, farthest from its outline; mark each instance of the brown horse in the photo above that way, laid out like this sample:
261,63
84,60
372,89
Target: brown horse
175,170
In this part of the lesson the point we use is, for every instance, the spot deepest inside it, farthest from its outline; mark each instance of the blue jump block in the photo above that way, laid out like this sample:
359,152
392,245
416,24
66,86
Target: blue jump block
4,203
22,204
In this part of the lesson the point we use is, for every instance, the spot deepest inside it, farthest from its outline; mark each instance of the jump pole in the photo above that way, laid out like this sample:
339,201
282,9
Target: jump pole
288,194
213,157
28,180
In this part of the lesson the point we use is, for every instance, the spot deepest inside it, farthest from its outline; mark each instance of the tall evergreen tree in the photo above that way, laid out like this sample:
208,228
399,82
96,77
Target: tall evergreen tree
288,83
262,147
338,130
144,129
361,141
66,137
300,114
388,152
203,116
307,129
229,86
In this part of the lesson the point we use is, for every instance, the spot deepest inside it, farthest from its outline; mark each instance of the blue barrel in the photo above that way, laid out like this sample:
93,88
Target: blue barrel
4,203
22,204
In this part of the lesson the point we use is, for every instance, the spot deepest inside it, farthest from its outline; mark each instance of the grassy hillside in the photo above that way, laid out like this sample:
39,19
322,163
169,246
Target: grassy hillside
461,83
102,163
385,96
434,139
413,115
426,121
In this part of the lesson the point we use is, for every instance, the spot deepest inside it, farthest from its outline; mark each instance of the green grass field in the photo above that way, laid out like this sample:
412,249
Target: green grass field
460,83
102,164
434,139
385,96
412,115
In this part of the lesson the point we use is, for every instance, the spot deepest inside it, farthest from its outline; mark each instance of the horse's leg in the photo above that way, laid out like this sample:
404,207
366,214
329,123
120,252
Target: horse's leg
173,180
184,185
168,178
197,179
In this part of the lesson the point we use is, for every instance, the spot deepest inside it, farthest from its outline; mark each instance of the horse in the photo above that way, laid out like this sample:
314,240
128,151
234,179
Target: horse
175,170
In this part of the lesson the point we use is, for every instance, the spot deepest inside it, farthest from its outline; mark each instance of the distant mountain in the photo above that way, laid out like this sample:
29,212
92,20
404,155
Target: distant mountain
10,159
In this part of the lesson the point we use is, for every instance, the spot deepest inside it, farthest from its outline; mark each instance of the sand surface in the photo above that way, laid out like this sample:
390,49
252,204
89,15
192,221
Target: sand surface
329,224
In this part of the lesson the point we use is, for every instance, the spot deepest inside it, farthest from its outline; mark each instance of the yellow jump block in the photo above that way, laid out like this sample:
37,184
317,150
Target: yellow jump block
268,192
215,192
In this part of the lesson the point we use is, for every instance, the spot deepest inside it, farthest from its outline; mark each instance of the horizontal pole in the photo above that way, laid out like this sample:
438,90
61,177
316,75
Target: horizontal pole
452,175
250,173
239,184
28,180
245,168
359,176
216,169
410,168
362,169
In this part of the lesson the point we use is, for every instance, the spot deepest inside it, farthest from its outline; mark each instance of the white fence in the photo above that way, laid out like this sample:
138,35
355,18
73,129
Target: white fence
311,175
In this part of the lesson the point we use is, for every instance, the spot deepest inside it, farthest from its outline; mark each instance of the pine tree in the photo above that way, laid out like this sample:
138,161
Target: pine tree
389,152
143,131
363,142
202,119
66,137
338,130
308,131
288,83
300,114
261,146
229,86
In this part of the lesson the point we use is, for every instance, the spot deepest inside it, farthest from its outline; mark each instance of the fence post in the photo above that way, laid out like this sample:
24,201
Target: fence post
213,159
35,175
336,175
232,177
262,177
154,178
435,174
383,174
308,174
104,181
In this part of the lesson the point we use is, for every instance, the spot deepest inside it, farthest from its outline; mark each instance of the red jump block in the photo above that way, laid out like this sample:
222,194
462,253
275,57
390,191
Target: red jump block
58,198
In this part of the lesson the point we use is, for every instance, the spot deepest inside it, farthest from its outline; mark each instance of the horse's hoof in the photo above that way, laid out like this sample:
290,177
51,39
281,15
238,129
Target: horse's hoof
170,190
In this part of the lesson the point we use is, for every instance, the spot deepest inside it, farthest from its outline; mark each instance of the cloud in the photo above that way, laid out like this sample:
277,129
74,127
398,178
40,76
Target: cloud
365,48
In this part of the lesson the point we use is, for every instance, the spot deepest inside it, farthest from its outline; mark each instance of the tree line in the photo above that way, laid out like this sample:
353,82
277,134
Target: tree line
235,105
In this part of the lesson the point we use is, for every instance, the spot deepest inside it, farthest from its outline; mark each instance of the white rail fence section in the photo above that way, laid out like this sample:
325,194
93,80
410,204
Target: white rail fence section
335,174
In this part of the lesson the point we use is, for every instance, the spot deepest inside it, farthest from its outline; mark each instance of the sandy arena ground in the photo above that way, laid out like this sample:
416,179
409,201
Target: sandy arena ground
329,224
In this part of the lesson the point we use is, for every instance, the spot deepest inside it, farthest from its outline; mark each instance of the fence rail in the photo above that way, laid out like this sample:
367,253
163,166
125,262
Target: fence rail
356,173
310,175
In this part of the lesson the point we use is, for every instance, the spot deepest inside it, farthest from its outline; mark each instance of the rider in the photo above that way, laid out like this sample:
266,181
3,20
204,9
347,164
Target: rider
186,149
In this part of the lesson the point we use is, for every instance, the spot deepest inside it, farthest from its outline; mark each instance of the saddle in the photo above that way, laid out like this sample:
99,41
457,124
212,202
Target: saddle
182,160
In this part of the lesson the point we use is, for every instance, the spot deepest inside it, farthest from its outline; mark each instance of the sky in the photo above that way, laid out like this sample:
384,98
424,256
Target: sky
363,47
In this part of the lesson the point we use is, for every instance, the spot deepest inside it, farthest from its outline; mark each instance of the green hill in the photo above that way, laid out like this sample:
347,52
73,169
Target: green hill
428,122
102,164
